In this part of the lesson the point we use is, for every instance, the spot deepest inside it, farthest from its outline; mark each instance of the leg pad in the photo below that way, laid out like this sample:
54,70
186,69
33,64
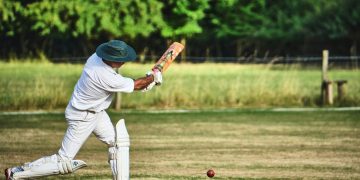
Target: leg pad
46,166
119,155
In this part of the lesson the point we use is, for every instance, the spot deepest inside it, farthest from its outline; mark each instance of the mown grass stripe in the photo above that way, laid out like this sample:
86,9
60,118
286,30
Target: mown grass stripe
180,111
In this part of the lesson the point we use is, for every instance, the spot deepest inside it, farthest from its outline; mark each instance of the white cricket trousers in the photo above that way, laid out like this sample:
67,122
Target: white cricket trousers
80,125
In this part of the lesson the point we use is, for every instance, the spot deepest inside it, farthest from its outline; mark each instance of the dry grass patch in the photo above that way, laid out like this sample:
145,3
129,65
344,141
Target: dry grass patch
316,145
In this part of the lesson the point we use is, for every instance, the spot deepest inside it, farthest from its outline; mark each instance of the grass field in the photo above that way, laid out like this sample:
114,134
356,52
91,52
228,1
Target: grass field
34,86
240,144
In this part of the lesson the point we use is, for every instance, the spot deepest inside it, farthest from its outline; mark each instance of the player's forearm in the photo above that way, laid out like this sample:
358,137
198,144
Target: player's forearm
143,82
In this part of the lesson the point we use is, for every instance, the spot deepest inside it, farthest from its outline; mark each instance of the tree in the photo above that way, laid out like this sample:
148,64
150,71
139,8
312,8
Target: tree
338,20
10,27
252,23
8,11
182,19
81,22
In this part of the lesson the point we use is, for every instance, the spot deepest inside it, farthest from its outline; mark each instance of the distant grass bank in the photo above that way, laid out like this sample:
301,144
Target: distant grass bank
29,86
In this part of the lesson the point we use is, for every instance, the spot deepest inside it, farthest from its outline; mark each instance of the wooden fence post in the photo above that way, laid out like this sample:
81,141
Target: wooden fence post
117,101
326,84
117,98
183,53
325,62
341,89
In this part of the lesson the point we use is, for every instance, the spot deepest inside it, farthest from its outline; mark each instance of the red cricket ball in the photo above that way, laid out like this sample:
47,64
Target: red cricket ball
210,173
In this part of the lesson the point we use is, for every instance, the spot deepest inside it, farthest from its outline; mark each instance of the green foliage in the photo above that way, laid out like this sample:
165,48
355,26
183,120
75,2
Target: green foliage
261,19
8,12
46,16
339,19
8,9
182,17
93,18
74,27
238,18
128,18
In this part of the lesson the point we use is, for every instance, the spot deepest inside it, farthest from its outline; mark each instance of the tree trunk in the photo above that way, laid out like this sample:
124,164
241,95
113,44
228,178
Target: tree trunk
353,54
207,54
183,53
142,55
239,48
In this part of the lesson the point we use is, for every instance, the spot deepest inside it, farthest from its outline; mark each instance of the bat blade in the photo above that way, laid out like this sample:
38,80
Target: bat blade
169,56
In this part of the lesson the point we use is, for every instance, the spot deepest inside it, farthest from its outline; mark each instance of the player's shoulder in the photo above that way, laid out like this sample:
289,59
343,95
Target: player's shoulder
95,63
92,61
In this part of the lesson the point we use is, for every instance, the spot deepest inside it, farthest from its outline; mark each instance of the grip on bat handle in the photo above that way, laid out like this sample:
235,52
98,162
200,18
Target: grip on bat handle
158,67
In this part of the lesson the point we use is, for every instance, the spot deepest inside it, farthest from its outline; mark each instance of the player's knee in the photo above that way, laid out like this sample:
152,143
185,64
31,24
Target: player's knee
110,142
107,138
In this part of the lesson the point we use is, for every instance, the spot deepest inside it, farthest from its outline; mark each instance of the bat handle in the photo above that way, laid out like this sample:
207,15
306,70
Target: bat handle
158,67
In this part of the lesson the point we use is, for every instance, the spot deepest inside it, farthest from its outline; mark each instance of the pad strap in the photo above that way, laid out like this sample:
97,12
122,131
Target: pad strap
65,167
123,142
112,154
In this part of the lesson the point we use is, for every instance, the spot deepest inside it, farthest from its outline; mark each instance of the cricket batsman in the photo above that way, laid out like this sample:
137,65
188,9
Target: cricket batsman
85,114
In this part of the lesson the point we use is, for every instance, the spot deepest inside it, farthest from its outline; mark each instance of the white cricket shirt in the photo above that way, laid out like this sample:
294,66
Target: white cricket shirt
95,89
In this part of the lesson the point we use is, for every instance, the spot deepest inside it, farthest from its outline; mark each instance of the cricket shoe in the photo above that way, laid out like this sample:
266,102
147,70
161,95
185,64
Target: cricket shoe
8,174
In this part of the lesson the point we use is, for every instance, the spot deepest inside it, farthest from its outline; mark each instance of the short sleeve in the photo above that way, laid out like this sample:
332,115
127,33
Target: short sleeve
117,83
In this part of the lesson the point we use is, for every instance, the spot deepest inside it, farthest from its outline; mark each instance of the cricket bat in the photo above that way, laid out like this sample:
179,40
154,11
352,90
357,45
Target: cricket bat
168,57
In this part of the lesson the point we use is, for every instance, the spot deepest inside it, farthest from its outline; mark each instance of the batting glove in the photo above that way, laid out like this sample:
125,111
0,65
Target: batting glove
149,87
157,76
